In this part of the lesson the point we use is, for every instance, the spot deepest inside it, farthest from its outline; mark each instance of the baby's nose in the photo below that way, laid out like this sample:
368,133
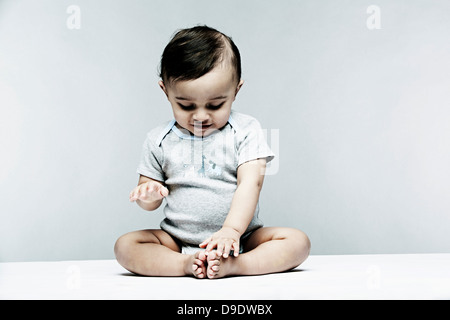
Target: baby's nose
201,116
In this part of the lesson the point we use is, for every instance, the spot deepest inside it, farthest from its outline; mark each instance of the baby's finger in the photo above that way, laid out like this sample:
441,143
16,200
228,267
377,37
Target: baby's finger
220,249
147,189
211,245
163,191
226,250
205,243
134,194
141,191
236,248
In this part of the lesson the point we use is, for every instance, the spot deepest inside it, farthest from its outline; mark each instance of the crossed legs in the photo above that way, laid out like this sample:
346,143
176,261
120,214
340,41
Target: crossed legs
266,250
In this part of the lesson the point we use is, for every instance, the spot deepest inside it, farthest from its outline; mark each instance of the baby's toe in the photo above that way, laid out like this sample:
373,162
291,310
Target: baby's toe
202,256
212,255
198,267
215,268
199,273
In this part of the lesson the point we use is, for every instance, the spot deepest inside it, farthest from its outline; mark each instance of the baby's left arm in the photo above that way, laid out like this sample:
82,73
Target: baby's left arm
250,177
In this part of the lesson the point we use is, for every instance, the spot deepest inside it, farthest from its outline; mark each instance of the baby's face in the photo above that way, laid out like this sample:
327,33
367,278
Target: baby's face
203,105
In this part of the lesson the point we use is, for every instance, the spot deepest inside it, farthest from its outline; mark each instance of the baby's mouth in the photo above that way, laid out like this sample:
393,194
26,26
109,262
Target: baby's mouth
201,126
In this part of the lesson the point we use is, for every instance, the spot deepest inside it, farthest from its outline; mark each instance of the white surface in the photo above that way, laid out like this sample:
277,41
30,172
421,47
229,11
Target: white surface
406,276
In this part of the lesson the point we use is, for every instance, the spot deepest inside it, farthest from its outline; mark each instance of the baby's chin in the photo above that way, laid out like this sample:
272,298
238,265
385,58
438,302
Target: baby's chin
203,132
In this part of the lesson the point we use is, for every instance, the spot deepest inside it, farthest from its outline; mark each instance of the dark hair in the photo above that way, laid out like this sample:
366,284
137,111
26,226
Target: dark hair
194,52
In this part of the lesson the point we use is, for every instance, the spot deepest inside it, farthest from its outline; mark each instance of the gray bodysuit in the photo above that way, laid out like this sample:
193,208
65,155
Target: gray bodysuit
201,174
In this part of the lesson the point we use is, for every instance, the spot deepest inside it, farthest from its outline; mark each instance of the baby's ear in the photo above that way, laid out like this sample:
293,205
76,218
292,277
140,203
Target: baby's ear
163,87
240,84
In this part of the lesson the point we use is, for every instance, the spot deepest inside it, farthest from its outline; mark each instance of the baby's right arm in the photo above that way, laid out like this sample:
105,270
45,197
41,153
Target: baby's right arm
149,193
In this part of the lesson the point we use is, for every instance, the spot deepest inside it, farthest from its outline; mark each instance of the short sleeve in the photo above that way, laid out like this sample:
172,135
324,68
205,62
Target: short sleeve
151,161
253,144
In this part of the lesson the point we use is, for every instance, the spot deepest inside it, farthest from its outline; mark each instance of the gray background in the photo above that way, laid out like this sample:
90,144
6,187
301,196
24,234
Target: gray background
363,119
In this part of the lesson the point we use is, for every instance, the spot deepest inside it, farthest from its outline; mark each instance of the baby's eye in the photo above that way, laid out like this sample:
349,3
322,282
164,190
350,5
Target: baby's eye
187,108
215,107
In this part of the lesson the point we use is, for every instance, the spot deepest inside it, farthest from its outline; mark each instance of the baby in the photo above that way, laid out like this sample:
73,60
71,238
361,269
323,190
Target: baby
208,164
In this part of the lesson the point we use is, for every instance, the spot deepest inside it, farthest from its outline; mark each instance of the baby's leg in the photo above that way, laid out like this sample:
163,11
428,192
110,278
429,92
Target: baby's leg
267,250
155,253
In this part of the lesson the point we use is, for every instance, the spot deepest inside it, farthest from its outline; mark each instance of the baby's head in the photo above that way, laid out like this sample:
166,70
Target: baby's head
201,75
194,52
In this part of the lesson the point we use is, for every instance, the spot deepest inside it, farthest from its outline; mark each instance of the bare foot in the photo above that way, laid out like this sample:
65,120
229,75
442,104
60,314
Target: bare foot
219,267
197,265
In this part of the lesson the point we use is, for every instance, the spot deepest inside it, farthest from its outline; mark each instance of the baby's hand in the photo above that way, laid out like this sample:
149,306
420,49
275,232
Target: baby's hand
225,240
149,191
